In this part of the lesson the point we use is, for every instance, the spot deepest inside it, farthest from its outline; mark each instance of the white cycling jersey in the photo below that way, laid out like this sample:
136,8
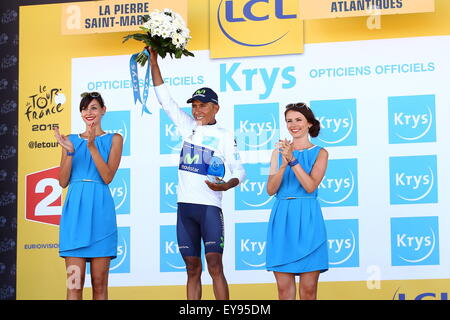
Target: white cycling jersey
200,143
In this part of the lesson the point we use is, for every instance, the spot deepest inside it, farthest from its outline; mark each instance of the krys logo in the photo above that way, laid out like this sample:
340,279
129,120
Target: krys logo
339,186
263,80
120,190
251,245
415,241
343,243
121,264
170,135
231,14
45,102
168,186
337,122
256,126
119,122
413,179
251,193
170,256
412,119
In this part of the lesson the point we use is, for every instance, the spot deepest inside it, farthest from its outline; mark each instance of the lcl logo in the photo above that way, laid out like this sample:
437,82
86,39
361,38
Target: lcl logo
422,296
249,15
252,11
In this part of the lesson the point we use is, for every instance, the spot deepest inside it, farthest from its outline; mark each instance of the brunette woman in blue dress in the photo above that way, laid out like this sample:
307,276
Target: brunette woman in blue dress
296,237
88,228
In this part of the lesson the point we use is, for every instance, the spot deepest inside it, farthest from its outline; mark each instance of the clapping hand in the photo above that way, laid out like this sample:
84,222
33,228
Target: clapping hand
286,148
64,141
91,135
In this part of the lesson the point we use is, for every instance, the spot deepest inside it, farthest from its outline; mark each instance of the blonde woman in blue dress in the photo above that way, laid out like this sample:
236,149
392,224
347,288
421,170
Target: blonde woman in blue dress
88,228
296,236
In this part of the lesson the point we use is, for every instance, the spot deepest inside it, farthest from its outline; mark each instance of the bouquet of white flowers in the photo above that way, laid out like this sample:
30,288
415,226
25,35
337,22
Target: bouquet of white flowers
166,32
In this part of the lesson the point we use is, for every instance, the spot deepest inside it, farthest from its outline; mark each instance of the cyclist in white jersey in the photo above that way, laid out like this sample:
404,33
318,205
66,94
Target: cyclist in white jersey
199,214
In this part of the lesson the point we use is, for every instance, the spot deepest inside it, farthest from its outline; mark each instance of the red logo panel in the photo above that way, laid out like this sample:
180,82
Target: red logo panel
43,197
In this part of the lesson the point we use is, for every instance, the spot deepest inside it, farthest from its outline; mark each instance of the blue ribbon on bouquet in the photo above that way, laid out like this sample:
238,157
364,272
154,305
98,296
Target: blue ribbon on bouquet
135,81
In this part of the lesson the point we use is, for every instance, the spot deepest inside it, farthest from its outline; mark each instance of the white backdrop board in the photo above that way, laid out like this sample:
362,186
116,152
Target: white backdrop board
384,123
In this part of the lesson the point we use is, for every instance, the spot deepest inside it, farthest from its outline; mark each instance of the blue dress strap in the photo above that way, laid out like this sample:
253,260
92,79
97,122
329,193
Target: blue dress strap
314,152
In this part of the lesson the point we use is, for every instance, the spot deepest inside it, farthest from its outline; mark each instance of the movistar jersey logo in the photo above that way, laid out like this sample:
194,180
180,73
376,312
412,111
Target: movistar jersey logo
195,158
190,160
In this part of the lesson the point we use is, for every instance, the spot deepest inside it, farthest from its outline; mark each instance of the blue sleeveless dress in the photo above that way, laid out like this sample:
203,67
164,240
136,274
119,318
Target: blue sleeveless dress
296,236
88,227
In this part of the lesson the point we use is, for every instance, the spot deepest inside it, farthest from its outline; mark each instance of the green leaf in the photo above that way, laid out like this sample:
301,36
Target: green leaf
136,36
128,37
188,53
140,36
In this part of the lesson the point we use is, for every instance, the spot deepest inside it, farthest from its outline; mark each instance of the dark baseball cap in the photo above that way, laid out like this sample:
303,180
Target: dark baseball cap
204,95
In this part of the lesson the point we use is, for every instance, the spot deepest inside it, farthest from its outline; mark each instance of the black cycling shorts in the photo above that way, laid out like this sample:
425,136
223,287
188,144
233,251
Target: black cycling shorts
196,222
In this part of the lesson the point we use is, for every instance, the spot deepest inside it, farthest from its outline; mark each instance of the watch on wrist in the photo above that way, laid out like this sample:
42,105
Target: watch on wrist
293,162
70,154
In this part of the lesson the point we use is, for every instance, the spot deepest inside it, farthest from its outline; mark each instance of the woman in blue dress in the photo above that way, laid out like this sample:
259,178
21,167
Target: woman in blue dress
296,236
88,228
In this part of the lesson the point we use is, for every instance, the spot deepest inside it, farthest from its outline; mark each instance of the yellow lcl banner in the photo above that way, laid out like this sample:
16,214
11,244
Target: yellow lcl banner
313,9
242,28
113,15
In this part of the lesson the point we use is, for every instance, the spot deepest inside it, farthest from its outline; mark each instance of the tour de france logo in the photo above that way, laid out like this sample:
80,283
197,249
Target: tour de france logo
46,101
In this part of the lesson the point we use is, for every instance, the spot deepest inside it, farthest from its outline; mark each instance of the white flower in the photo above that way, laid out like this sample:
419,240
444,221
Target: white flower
148,25
166,11
178,18
165,34
178,41
178,25
156,31
171,27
